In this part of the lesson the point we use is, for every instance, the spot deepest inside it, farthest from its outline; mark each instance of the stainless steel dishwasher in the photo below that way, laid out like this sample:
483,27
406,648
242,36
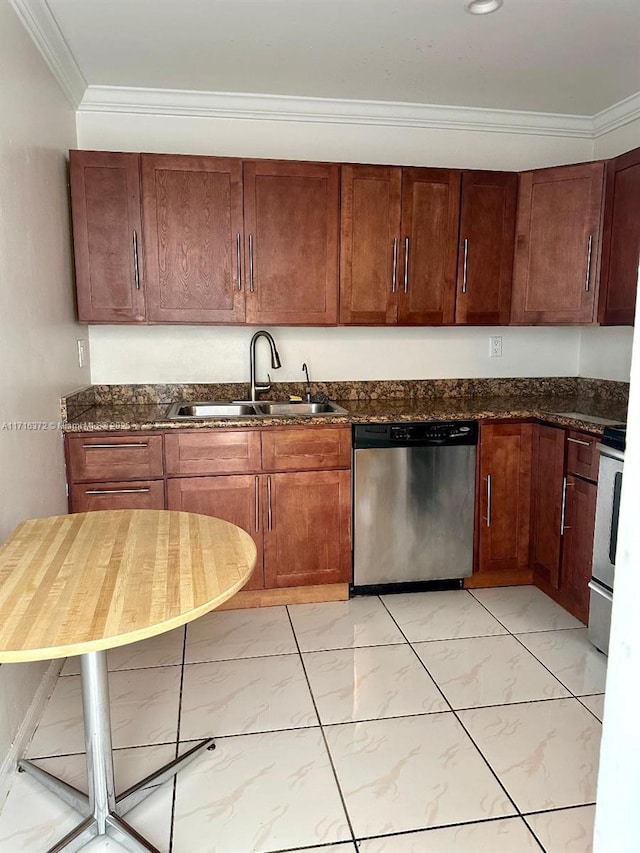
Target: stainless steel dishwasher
414,505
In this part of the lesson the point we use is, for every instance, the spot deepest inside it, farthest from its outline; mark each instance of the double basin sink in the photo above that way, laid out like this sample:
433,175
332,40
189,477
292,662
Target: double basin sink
246,408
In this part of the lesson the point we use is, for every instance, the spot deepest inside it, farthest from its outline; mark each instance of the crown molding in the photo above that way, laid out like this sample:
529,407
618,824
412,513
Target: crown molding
177,102
39,21
617,115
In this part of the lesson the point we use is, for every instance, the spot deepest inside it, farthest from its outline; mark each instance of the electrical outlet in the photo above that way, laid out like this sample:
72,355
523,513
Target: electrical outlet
82,352
495,346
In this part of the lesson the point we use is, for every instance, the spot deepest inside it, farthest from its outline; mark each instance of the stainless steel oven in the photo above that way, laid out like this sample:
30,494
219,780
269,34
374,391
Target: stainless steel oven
606,536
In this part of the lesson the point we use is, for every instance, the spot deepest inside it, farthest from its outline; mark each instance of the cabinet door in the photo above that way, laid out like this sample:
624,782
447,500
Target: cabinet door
193,238
291,245
235,499
620,241
547,499
485,252
428,253
369,244
307,538
107,235
558,245
87,497
505,488
577,550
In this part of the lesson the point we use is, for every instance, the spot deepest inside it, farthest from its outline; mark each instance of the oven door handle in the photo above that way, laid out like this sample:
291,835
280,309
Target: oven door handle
615,515
601,590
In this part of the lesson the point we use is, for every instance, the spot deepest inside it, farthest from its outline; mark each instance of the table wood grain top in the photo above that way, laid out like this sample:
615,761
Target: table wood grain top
79,583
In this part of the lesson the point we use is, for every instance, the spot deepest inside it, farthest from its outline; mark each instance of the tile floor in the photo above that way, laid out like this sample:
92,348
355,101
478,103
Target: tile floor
453,722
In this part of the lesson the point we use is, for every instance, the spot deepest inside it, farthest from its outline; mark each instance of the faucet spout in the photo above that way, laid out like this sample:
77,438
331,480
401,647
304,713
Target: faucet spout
259,387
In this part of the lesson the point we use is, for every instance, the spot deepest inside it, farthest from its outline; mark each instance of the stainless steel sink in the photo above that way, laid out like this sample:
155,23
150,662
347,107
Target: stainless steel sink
297,409
245,408
212,409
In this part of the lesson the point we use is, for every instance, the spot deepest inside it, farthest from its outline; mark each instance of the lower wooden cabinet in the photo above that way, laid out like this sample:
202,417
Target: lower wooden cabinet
504,501
577,548
307,528
563,516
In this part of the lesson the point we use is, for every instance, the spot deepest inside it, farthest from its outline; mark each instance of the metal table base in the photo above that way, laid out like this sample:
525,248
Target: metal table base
102,810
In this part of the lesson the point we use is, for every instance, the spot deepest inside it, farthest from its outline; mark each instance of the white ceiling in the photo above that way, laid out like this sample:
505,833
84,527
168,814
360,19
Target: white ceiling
576,57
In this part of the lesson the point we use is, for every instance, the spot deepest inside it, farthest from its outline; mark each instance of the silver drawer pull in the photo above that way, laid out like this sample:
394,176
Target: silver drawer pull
579,441
115,491
251,286
488,500
111,446
406,264
239,260
465,265
136,263
269,512
257,503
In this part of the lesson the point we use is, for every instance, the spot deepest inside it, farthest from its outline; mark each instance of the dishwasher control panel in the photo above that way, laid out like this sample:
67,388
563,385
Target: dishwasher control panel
413,434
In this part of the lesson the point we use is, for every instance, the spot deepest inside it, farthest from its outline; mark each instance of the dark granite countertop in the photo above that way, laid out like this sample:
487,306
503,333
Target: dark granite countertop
573,407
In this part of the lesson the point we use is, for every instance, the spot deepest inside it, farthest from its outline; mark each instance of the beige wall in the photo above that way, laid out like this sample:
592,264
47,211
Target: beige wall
37,328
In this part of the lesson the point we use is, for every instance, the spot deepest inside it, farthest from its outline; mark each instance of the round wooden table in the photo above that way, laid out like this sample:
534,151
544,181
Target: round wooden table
80,584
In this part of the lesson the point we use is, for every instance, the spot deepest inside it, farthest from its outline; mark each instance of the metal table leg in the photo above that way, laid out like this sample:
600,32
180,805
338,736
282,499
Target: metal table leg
103,810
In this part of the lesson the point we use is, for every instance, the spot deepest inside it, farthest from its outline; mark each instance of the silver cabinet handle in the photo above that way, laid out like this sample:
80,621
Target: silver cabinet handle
394,273
563,526
406,264
136,263
257,503
109,446
239,260
465,263
587,281
579,441
114,491
488,500
251,288
269,515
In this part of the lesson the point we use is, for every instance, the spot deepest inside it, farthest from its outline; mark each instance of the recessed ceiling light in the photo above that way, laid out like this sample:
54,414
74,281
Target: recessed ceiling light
482,7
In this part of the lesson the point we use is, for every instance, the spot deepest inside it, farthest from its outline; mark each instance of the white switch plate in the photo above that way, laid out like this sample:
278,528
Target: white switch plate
495,346
82,352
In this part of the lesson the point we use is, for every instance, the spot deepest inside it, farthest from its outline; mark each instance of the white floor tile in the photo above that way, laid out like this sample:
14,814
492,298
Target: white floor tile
566,831
144,710
371,682
33,818
259,793
487,671
163,650
343,624
441,615
412,773
241,696
230,634
595,704
525,608
508,835
571,658
544,753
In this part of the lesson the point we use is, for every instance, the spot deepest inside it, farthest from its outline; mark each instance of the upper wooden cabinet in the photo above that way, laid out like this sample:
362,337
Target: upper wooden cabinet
107,236
558,245
193,231
620,241
291,242
408,235
485,253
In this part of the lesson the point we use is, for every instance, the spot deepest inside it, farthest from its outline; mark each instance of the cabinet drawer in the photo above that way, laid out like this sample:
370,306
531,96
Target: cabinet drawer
583,456
111,458
218,451
306,448
136,494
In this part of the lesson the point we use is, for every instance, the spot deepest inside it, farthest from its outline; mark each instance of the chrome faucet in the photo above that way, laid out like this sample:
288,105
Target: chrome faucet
257,388
307,388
